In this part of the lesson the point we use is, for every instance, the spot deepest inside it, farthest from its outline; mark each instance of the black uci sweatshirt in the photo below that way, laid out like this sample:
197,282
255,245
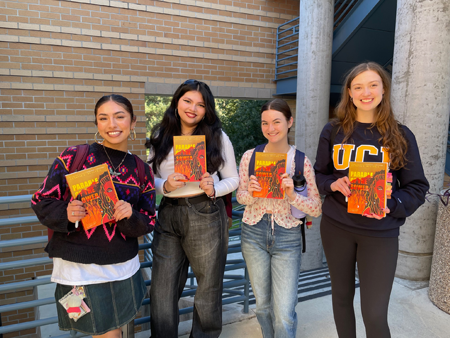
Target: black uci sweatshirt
409,184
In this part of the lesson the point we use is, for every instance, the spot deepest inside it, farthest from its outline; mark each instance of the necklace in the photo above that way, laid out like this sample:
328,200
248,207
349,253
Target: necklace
113,171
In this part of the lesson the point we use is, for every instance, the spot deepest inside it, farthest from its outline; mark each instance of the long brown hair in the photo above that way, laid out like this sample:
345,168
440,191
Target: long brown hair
391,133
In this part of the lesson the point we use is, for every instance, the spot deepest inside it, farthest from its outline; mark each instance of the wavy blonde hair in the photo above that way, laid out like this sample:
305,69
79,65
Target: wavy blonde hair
392,136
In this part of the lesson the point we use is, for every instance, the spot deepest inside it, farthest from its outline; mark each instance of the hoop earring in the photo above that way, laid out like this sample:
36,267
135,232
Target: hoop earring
95,138
134,135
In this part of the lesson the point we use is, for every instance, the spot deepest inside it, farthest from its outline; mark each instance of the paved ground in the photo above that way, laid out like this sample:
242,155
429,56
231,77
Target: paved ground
411,315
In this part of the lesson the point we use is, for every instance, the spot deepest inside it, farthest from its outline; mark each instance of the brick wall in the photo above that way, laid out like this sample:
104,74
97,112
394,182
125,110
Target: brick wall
57,58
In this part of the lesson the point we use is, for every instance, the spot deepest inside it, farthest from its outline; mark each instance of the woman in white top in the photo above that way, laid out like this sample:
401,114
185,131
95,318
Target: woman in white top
271,235
192,220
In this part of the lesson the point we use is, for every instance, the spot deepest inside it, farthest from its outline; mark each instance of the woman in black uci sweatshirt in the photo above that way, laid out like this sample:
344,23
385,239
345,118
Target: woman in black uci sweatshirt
365,131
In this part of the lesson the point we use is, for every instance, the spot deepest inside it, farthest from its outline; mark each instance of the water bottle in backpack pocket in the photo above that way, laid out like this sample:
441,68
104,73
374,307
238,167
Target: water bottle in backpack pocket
300,188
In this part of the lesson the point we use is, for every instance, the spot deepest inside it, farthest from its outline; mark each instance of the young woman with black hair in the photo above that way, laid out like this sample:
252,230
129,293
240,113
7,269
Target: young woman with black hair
103,260
365,130
192,222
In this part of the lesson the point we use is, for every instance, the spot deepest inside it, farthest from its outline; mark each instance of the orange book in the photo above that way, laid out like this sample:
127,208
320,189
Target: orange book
369,188
94,187
190,156
268,170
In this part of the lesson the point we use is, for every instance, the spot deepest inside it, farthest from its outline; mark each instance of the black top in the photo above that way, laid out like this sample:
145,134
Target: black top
108,243
409,184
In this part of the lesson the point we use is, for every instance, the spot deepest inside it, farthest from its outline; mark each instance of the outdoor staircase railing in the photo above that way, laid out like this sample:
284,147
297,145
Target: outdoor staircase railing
235,289
286,58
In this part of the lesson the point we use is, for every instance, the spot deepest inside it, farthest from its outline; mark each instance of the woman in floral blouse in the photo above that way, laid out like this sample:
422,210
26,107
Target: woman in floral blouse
271,235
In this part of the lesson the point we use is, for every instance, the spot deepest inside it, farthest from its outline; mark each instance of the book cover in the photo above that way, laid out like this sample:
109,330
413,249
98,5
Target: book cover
369,187
190,156
268,170
94,187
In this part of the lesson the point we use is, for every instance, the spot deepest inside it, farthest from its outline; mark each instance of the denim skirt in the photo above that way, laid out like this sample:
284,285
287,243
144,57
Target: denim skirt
112,304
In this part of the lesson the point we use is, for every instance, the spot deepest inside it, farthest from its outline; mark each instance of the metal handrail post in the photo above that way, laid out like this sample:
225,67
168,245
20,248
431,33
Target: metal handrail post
128,330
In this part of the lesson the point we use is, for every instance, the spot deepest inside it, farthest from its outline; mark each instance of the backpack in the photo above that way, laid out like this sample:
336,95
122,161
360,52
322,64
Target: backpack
77,164
299,166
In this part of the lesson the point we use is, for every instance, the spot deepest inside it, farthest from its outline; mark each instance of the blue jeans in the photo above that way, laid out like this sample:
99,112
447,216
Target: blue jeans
195,234
273,262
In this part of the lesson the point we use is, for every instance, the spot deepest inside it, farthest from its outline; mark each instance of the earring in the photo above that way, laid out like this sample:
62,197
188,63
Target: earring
95,138
134,135
176,113
351,98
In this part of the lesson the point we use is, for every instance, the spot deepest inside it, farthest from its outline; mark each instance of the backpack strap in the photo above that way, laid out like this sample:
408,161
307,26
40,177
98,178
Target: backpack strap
302,229
251,165
299,170
77,164
141,172
299,162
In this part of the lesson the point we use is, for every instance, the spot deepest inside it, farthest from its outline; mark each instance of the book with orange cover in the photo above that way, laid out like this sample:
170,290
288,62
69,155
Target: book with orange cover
369,188
190,156
268,170
94,187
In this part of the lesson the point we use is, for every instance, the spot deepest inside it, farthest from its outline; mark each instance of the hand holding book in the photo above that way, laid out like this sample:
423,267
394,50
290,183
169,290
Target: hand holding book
342,185
253,184
75,210
173,182
287,184
385,210
207,184
122,210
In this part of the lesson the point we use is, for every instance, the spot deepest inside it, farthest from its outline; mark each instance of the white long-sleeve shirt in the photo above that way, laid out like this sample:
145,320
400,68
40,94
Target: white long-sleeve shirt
229,176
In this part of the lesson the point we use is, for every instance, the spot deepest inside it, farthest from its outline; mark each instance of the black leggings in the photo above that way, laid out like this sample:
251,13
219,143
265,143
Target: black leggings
377,260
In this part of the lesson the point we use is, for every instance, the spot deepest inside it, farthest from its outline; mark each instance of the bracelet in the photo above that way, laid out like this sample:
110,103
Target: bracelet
164,188
213,195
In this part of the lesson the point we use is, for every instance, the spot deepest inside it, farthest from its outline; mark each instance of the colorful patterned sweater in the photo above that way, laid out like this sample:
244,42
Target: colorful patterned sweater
108,243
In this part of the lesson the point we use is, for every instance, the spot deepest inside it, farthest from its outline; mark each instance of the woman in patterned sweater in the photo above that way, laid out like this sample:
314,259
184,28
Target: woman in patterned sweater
103,260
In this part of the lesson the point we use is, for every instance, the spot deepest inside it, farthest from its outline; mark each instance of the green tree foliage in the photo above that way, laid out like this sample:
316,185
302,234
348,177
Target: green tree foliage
240,120
155,107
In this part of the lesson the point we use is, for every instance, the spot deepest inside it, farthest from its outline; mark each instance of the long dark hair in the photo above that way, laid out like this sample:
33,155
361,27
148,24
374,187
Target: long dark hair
161,139
120,100
391,132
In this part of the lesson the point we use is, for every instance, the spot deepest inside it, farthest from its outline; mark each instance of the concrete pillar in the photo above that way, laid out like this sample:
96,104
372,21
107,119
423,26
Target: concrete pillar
421,101
313,93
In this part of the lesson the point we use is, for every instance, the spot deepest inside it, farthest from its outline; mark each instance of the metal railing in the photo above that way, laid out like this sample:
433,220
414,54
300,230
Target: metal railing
286,58
235,287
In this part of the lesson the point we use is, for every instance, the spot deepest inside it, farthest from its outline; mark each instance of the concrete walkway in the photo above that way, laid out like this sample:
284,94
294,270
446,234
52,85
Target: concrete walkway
411,315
